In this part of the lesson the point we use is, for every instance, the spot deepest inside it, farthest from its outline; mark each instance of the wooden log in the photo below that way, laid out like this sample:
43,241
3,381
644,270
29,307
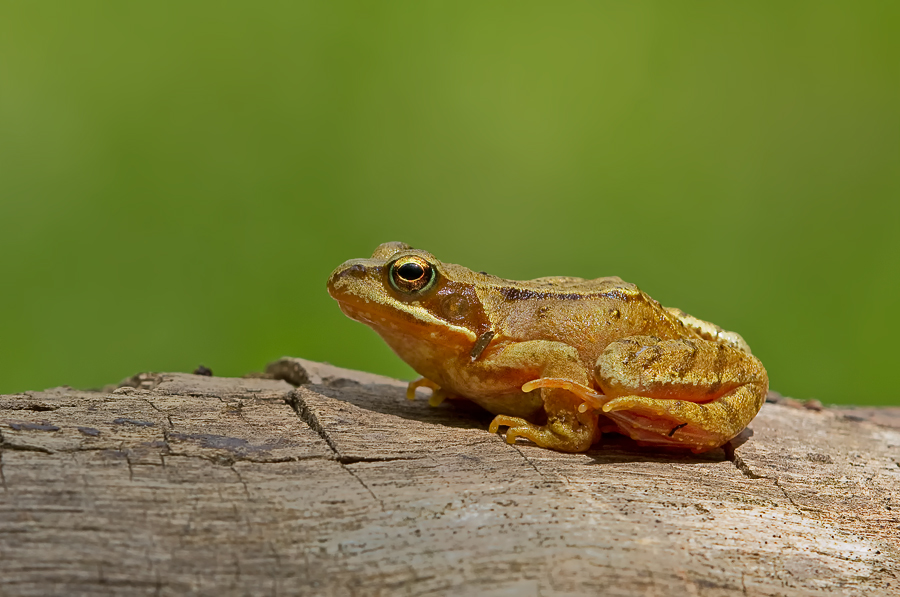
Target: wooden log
177,483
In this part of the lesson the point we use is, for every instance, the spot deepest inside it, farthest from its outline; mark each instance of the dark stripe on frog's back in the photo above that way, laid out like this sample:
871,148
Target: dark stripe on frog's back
513,293
618,301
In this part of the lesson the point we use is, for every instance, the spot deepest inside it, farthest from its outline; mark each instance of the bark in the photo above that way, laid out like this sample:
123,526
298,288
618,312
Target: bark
178,483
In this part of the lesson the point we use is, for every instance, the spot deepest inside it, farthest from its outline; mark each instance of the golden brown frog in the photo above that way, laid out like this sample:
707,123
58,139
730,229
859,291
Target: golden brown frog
556,359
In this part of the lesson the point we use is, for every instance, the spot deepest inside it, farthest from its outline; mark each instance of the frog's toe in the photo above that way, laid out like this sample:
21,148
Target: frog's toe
590,398
512,423
517,427
437,395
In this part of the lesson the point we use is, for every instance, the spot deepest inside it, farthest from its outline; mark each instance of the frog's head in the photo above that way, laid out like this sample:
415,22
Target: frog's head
425,310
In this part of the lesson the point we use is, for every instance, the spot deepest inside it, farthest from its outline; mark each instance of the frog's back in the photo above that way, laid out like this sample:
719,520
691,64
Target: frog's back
566,285
562,288
554,291
586,314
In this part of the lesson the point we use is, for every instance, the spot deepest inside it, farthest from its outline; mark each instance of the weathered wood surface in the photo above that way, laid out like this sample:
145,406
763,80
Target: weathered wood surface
191,484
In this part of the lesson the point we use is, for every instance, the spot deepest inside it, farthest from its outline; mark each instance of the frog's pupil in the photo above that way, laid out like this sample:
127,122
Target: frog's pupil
410,271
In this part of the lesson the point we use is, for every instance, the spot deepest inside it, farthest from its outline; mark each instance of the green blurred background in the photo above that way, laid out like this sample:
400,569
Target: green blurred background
178,179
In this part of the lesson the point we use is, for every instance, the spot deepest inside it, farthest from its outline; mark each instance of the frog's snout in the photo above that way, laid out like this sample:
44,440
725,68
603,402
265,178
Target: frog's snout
343,277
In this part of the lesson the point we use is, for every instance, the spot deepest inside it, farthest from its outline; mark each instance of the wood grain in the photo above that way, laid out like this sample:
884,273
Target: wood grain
180,483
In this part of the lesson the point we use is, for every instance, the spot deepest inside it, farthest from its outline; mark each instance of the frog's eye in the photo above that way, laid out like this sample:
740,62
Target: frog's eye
411,274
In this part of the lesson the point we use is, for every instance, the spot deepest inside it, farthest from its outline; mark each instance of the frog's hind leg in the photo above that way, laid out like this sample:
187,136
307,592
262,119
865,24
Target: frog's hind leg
690,393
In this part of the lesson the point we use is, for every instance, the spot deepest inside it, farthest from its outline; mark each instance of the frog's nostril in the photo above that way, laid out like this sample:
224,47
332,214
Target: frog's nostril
356,270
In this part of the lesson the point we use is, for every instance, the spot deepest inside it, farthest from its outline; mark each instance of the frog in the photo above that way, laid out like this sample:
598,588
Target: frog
559,361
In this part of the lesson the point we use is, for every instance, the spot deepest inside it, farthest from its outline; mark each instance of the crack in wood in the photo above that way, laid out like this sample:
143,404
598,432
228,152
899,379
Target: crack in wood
4,445
528,460
160,411
299,405
24,448
739,463
239,409
745,470
242,482
296,402
363,483
787,495
229,461
217,458
357,459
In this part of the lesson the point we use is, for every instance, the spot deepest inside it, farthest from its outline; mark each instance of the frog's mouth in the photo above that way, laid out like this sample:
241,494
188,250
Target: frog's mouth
365,317
412,322
356,290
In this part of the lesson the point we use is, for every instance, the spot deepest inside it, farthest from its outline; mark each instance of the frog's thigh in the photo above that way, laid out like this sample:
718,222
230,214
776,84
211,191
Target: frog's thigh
566,429
692,393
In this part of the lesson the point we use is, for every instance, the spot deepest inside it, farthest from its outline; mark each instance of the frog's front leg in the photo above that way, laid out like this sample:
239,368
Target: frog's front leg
438,394
569,426
566,430
692,393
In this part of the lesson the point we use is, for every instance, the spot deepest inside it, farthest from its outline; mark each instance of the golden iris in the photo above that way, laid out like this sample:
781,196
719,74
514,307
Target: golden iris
411,274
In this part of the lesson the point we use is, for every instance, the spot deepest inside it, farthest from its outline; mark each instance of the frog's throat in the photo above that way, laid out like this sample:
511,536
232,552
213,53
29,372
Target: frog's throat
390,325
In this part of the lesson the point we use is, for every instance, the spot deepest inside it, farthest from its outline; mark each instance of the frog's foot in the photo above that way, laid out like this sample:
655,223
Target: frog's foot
565,436
437,394
649,425
590,398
